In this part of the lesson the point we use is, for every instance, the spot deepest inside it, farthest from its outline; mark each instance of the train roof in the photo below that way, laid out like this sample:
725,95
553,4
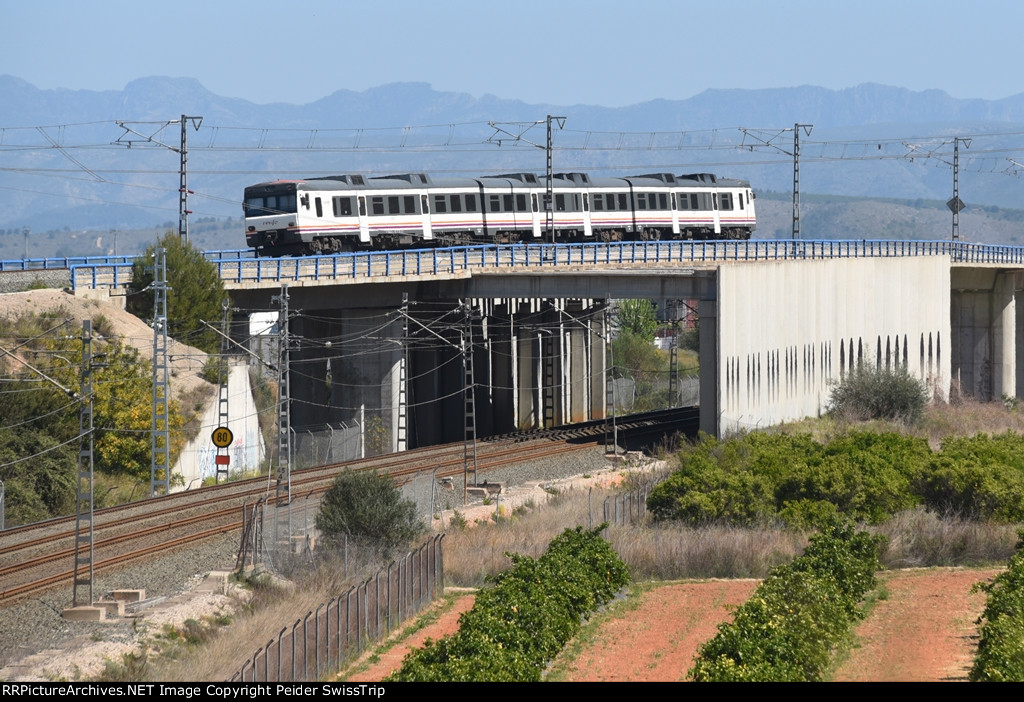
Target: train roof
402,181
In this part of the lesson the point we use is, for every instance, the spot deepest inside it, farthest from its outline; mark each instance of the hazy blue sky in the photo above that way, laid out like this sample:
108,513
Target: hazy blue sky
608,52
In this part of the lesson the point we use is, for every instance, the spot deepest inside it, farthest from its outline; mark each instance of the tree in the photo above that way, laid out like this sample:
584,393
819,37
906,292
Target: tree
367,507
639,318
40,423
195,292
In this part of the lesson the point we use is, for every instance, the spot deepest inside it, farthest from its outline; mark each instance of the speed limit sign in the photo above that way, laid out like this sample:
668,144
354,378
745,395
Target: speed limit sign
222,437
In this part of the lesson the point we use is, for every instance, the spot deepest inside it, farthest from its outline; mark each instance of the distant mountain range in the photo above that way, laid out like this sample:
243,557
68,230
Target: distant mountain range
61,165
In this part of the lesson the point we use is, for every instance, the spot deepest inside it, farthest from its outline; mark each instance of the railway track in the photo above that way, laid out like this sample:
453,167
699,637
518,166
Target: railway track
36,556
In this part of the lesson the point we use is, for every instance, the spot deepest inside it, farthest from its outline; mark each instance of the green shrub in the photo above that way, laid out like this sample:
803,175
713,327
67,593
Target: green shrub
524,620
1000,656
761,478
879,393
788,628
368,508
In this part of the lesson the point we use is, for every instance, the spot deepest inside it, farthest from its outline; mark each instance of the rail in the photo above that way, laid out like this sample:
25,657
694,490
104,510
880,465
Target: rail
239,268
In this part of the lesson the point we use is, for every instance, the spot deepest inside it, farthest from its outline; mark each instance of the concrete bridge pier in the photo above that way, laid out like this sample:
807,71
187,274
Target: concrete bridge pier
987,332
346,367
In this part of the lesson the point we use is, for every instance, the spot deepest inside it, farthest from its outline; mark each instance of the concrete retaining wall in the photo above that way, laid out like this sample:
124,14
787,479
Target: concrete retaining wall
786,330
197,460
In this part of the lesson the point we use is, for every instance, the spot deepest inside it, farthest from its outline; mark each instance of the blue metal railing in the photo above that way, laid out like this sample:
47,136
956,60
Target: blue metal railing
239,266
38,264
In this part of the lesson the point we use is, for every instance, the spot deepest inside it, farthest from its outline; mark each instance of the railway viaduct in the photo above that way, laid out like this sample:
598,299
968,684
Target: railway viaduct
779,322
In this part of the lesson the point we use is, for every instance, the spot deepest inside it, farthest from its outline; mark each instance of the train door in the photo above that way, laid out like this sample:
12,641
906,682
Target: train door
715,216
674,205
588,230
428,232
364,222
537,217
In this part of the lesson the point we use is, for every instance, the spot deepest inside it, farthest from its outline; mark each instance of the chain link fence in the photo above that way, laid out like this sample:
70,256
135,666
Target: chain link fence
315,446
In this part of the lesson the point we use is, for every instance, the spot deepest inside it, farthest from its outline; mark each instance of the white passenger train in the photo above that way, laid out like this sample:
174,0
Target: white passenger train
354,212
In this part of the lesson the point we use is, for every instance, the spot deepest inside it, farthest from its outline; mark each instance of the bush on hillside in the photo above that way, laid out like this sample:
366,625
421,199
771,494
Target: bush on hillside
879,393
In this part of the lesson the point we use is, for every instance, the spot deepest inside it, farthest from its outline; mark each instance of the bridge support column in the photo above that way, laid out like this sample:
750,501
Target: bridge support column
551,367
707,314
1004,332
577,373
525,343
986,333
356,377
502,360
598,362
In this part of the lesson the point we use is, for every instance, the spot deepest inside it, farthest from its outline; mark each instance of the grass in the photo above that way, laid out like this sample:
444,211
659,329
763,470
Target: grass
422,621
271,604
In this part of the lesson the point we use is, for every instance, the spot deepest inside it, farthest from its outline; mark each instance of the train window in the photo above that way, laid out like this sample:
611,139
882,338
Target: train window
394,205
673,200
739,196
440,207
641,201
495,204
560,202
521,202
260,206
319,207
377,205
533,197
622,202
342,207
662,201
425,203
470,203
586,202
726,201
695,202
684,201
362,206
714,201
506,203
575,199
456,203
598,202
410,204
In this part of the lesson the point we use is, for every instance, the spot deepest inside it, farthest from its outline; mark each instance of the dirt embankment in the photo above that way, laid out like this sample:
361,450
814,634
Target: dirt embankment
186,362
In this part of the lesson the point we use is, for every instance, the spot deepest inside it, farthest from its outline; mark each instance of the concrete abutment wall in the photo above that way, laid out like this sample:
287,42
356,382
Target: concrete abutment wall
786,330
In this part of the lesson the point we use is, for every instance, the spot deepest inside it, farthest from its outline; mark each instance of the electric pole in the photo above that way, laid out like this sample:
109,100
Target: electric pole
955,204
181,149
160,468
